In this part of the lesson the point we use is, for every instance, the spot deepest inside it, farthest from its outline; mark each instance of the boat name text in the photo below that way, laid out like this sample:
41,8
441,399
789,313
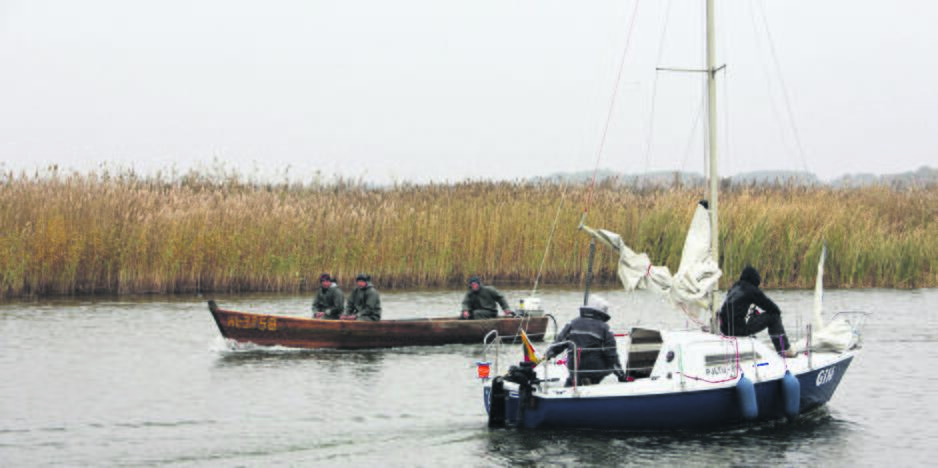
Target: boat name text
825,376
720,370
260,323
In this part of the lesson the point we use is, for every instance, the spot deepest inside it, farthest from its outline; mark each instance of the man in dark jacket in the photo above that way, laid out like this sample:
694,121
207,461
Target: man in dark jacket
329,299
364,302
745,295
596,355
482,302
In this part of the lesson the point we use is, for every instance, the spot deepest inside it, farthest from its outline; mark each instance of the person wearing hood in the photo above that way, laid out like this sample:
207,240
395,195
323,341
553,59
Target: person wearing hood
747,311
595,350
364,302
329,299
482,302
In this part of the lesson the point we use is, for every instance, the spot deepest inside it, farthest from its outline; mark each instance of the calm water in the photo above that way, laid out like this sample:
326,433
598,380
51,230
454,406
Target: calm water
150,382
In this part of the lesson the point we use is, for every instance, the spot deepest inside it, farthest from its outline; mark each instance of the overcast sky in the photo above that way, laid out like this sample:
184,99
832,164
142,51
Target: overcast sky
446,90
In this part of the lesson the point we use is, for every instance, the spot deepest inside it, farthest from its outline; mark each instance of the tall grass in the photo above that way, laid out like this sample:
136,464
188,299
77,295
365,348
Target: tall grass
102,233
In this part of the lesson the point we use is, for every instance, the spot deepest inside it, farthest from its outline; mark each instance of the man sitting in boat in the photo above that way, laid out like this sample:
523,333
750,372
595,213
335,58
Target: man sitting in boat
735,316
595,350
329,299
364,302
482,302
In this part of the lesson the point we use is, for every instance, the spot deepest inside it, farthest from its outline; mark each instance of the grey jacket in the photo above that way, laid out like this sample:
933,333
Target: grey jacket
487,298
330,301
365,303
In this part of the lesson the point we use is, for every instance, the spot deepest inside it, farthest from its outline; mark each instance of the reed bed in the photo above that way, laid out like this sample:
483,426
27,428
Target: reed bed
98,233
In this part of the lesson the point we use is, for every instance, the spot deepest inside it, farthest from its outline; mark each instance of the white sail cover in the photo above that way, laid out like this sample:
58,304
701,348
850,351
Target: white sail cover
836,336
695,278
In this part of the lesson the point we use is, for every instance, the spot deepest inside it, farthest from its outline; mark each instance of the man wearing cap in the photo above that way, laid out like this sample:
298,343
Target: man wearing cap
329,299
364,302
595,355
482,302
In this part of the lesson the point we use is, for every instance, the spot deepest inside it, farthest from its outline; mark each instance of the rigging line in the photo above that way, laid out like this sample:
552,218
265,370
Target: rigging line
781,83
781,79
693,130
612,104
654,88
728,151
550,238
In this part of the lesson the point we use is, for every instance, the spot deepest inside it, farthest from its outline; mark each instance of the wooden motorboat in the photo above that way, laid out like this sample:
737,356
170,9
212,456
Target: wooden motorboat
301,332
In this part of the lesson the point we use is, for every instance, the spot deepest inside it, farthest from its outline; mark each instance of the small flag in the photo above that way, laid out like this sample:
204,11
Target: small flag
530,354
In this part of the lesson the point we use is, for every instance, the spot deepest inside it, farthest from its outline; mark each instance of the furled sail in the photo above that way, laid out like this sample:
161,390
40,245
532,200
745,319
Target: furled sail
696,276
837,335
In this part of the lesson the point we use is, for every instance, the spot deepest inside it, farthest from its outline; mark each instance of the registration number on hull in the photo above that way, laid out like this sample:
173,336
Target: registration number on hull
825,376
259,323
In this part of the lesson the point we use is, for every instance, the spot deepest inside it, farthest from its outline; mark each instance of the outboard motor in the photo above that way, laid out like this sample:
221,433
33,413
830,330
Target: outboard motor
523,374
497,398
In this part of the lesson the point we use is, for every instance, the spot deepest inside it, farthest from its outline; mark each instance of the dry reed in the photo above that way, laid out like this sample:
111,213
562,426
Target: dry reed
99,233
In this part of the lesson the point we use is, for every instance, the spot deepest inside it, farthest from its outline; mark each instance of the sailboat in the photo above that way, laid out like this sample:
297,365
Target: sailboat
684,379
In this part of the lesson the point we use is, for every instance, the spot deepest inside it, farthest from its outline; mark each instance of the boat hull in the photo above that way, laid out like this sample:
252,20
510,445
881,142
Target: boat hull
686,410
299,332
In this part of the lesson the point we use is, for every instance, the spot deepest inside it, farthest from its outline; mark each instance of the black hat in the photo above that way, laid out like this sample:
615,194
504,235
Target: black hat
750,275
363,277
475,279
326,277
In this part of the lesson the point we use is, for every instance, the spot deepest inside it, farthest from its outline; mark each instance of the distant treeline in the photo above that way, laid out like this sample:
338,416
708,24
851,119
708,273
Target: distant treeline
102,233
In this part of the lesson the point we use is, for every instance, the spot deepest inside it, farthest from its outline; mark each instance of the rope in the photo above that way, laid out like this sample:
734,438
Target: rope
550,238
612,104
654,89
781,83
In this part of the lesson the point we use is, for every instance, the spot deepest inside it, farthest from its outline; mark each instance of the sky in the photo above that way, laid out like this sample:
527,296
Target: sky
447,90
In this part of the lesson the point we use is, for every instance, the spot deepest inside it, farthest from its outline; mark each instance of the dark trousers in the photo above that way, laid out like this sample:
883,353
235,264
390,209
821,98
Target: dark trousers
772,322
479,314
587,377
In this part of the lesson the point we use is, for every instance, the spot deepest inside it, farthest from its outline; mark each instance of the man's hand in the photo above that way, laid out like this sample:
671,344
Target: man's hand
465,314
319,315
509,313
349,317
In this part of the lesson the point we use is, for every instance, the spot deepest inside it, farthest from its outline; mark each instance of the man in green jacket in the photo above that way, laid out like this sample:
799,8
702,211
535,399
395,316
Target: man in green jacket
364,302
329,299
482,302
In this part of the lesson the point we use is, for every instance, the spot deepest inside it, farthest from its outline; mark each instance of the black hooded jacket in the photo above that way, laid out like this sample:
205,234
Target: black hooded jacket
593,338
744,293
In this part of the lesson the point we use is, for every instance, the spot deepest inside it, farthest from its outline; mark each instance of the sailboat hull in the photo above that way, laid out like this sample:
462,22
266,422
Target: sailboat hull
684,410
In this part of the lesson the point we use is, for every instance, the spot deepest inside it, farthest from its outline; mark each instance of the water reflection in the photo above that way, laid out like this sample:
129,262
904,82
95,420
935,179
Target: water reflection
766,443
366,361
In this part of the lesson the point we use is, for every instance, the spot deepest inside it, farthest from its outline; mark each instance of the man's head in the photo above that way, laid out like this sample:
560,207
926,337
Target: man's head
326,280
597,308
751,276
362,280
475,283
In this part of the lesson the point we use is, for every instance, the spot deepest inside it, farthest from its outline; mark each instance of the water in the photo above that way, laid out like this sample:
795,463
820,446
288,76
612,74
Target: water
148,381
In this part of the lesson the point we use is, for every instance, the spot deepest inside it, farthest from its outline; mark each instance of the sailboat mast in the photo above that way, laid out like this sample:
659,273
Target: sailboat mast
712,140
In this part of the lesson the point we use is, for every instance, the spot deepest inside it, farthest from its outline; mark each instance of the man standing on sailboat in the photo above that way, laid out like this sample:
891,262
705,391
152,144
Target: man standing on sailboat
741,296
